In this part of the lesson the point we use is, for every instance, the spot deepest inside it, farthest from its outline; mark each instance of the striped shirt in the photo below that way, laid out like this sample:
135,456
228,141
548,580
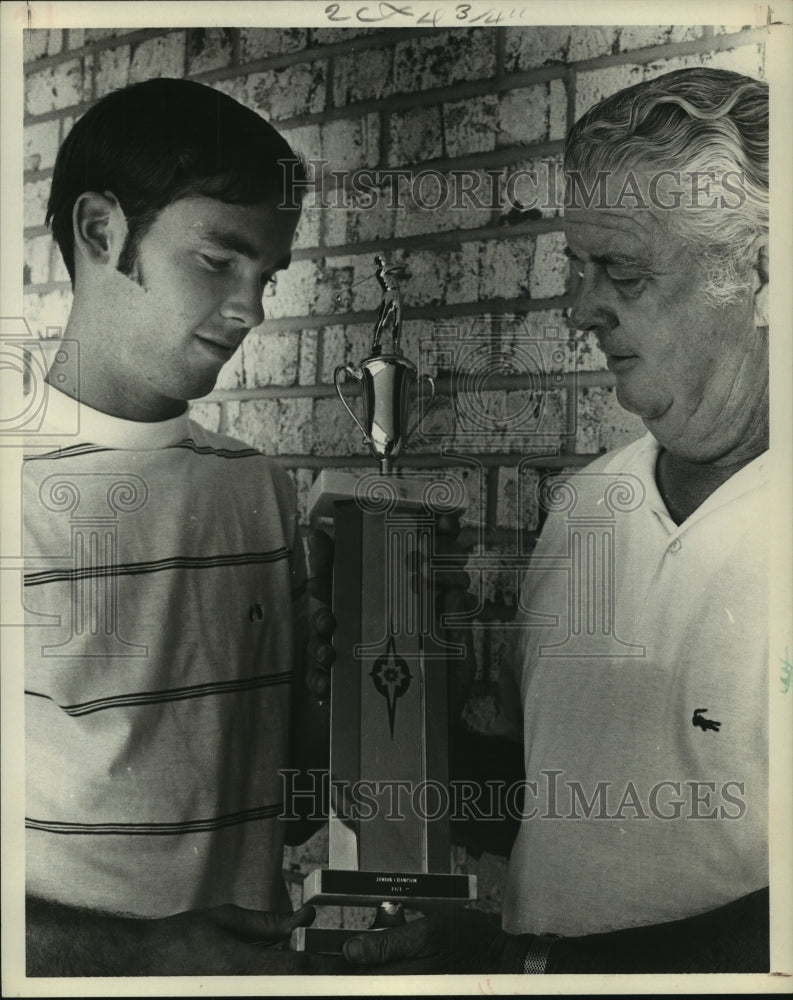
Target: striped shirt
161,575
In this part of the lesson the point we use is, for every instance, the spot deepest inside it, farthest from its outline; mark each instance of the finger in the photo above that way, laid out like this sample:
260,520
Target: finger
318,683
259,925
320,658
320,652
323,622
392,944
368,949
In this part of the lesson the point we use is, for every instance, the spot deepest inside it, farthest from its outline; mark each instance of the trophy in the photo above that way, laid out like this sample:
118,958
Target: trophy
386,379
389,841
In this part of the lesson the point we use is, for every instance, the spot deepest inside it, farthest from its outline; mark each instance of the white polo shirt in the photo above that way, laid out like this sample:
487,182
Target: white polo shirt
644,682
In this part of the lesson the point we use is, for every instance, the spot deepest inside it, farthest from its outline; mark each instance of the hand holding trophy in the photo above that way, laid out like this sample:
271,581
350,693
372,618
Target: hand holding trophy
389,843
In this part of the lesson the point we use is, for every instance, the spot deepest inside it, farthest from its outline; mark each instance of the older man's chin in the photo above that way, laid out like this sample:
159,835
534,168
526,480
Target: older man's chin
634,396
673,432
687,441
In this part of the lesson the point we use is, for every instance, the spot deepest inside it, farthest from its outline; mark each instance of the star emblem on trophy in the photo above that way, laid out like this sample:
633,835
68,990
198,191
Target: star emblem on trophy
392,677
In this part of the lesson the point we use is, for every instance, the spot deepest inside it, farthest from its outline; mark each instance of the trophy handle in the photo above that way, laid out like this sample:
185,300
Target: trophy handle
338,378
418,423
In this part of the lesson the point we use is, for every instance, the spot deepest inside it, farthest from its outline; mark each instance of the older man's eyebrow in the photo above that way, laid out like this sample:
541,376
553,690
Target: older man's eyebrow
238,244
615,258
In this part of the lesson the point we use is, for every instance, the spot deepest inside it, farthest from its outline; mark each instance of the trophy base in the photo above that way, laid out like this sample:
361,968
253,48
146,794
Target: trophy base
386,890
346,887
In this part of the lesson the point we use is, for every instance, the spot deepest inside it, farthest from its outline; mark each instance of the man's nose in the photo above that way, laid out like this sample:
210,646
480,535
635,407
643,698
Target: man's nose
592,307
244,304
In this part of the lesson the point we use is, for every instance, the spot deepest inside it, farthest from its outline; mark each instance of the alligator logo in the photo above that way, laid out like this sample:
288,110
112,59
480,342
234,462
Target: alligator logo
704,724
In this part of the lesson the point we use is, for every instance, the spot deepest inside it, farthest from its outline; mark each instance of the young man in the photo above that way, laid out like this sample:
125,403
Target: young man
643,839
165,585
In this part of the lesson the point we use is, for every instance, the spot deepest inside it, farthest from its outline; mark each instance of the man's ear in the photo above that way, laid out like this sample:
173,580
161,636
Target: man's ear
761,285
100,228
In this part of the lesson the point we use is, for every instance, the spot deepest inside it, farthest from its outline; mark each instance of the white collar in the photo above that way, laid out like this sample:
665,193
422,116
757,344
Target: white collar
68,422
750,476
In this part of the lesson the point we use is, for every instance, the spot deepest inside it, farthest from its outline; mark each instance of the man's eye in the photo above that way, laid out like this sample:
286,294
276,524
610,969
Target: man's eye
213,263
625,279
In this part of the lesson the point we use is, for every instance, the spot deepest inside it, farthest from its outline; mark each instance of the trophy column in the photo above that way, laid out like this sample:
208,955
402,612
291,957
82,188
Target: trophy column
389,837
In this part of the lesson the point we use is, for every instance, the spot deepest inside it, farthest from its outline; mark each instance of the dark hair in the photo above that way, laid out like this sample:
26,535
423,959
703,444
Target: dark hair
158,141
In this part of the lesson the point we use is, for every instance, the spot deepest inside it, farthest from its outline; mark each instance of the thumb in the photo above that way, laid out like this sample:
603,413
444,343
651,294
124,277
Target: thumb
381,947
258,925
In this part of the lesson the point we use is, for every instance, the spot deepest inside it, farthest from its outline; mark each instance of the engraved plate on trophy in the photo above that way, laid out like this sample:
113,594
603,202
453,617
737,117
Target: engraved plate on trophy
389,841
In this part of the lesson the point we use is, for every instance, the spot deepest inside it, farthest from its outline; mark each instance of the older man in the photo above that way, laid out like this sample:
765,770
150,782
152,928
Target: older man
642,846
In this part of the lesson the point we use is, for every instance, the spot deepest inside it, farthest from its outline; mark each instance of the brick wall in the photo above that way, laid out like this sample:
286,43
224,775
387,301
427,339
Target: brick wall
470,107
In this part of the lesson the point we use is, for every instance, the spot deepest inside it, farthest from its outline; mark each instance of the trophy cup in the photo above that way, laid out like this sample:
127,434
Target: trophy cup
389,840
386,379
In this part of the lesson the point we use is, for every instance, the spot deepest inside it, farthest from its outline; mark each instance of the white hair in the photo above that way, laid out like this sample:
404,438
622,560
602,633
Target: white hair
691,120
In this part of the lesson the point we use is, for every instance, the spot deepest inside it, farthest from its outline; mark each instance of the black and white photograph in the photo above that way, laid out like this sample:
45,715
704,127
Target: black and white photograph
396,449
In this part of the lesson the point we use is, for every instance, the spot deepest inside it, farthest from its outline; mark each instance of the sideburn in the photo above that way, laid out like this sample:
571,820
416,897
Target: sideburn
137,227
